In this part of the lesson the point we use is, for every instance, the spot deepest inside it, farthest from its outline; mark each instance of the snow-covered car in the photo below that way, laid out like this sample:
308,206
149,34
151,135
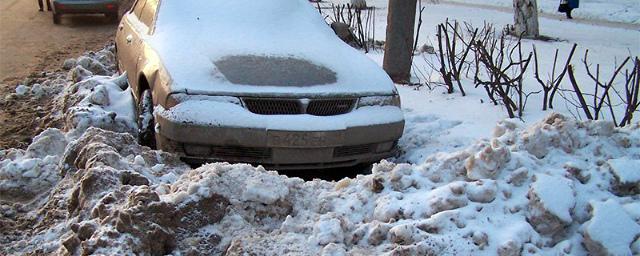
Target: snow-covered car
107,7
264,82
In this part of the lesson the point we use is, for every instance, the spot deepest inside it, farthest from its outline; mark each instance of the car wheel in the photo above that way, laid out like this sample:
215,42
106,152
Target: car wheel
112,17
146,122
56,18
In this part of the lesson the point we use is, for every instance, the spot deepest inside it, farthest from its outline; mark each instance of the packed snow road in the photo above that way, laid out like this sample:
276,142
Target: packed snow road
30,42
30,46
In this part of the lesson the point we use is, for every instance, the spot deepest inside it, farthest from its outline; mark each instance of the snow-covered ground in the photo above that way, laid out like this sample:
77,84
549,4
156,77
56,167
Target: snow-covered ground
627,11
449,121
468,181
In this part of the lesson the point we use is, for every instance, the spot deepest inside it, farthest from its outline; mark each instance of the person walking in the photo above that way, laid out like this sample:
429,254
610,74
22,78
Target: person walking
48,5
567,6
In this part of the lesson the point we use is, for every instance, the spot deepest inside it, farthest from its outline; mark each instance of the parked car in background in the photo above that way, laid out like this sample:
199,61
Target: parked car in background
265,82
107,7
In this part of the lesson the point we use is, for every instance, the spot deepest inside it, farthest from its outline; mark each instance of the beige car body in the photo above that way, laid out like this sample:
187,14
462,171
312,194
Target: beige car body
281,149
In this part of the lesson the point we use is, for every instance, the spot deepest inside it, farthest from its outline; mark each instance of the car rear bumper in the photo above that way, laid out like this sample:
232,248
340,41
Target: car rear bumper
281,149
81,7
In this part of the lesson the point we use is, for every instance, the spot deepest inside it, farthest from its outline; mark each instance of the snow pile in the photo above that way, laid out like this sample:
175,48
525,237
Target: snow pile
115,179
52,192
501,196
101,102
73,70
25,173
95,98
530,203
96,101
106,187
101,63
37,88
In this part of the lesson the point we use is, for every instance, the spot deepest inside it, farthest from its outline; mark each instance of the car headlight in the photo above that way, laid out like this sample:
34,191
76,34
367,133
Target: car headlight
177,98
388,100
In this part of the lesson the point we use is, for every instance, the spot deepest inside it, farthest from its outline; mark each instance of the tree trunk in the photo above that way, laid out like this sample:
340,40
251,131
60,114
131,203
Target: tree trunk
398,48
525,18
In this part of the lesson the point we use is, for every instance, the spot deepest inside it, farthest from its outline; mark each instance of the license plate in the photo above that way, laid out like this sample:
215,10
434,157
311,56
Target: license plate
304,139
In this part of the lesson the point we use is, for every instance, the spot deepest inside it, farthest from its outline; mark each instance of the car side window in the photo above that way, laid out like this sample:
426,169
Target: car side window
149,12
137,9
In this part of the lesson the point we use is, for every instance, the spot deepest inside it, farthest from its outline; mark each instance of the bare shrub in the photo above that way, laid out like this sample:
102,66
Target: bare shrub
500,67
361,20
497,63
594,105
551,85
453,49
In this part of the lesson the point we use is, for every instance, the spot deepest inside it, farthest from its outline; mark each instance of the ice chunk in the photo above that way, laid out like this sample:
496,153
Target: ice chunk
51,142
328,230
266,189
610,230
551,201
139,160
556,194
37,91
21,90
626,170
627,175
487,163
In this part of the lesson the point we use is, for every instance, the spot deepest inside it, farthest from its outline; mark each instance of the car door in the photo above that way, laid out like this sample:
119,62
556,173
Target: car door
129,40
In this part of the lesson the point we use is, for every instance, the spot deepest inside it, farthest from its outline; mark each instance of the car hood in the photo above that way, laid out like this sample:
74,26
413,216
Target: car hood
267,47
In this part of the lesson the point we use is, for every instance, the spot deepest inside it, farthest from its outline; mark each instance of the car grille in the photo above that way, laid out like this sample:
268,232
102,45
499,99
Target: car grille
353,150
330,107
316,107
241,152
273,106
227,151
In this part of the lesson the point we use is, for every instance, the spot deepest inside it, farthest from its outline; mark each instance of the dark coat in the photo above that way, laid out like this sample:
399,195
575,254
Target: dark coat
573,4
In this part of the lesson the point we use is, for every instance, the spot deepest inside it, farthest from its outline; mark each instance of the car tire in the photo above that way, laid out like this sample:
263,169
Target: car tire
56,18
146,122
112,17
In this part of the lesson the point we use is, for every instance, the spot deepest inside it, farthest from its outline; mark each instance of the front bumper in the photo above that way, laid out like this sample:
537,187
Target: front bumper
85,7
281,148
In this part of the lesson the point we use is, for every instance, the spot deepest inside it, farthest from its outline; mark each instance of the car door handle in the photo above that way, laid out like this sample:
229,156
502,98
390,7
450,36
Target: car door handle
129,39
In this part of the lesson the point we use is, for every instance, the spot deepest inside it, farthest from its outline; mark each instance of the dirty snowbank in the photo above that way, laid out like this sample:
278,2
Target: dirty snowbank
96,100
36,182
493,197
528,190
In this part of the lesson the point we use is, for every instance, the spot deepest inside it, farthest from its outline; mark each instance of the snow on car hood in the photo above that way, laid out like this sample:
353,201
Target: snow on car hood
278,47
